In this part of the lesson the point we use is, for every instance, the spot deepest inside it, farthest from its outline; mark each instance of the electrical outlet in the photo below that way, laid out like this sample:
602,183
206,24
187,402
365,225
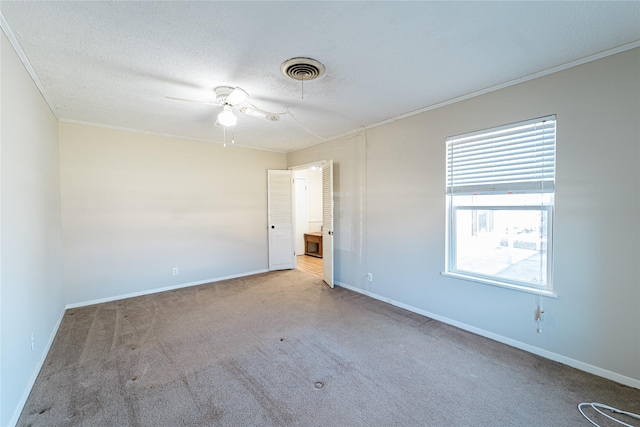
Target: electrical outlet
175,271
369,277
33,341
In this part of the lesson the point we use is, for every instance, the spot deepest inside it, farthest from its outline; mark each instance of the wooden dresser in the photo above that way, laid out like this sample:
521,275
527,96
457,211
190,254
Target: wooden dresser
313,244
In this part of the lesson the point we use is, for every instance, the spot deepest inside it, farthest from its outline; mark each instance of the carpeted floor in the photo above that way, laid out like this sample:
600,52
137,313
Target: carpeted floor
282,348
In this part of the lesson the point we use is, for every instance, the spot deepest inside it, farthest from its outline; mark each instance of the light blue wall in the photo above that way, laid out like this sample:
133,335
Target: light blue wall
31,287
594,323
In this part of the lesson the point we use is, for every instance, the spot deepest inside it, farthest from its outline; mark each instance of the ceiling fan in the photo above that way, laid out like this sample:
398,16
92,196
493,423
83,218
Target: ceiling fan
229,98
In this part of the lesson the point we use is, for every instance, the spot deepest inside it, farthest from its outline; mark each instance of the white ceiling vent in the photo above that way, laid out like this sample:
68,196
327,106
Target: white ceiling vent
302,69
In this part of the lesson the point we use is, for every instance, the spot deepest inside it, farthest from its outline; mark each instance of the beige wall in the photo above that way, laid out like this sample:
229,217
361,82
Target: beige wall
32,294
594,323
134,206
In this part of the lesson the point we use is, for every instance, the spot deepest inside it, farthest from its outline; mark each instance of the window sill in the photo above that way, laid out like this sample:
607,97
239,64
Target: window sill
512,286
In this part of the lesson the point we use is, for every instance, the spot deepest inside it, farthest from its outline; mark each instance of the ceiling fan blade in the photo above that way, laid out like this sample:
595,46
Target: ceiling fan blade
254,112
190,100
237,96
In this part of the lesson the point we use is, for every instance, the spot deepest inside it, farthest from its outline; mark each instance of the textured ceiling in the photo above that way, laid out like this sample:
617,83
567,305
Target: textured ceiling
115,63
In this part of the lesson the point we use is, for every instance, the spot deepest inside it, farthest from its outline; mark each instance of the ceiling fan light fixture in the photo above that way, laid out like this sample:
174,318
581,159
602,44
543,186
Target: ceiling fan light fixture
226,117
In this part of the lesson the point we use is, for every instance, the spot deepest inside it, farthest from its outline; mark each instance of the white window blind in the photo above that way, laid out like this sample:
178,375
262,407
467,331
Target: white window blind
514,158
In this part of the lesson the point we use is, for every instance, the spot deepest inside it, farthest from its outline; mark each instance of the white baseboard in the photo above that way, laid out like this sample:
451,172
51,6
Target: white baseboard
36,372
156,290
613,376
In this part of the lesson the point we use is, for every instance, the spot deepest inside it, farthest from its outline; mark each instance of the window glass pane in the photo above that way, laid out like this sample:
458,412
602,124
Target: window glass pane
505,243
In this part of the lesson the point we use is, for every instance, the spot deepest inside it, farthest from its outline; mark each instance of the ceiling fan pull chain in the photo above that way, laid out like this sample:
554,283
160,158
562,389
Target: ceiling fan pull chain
224,136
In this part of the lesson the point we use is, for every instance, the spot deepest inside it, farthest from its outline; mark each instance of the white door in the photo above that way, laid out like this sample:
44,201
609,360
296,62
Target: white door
327,222
302,218
280,222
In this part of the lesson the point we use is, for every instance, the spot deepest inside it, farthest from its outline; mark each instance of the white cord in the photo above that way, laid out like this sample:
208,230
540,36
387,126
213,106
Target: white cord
304,127
596,405
288,112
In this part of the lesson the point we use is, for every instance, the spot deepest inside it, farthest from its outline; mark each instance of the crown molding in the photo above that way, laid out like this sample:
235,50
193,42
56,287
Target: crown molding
25,61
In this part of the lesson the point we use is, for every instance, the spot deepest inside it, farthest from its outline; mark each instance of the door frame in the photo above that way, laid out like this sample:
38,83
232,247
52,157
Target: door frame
305,166
300,202
319,164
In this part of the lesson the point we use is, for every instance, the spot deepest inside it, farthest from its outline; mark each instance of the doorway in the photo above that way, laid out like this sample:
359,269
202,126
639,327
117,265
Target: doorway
308,213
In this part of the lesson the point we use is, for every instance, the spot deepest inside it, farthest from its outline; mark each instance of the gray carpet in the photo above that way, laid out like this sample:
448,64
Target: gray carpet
282,348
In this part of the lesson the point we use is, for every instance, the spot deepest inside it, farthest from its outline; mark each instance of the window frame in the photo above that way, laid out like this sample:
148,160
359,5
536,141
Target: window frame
452,209
453,269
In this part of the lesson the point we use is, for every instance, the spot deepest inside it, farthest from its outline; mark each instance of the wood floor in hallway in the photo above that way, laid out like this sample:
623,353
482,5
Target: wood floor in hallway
309,264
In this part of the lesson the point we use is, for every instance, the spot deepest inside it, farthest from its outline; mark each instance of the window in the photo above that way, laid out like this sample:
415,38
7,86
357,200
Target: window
500,197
